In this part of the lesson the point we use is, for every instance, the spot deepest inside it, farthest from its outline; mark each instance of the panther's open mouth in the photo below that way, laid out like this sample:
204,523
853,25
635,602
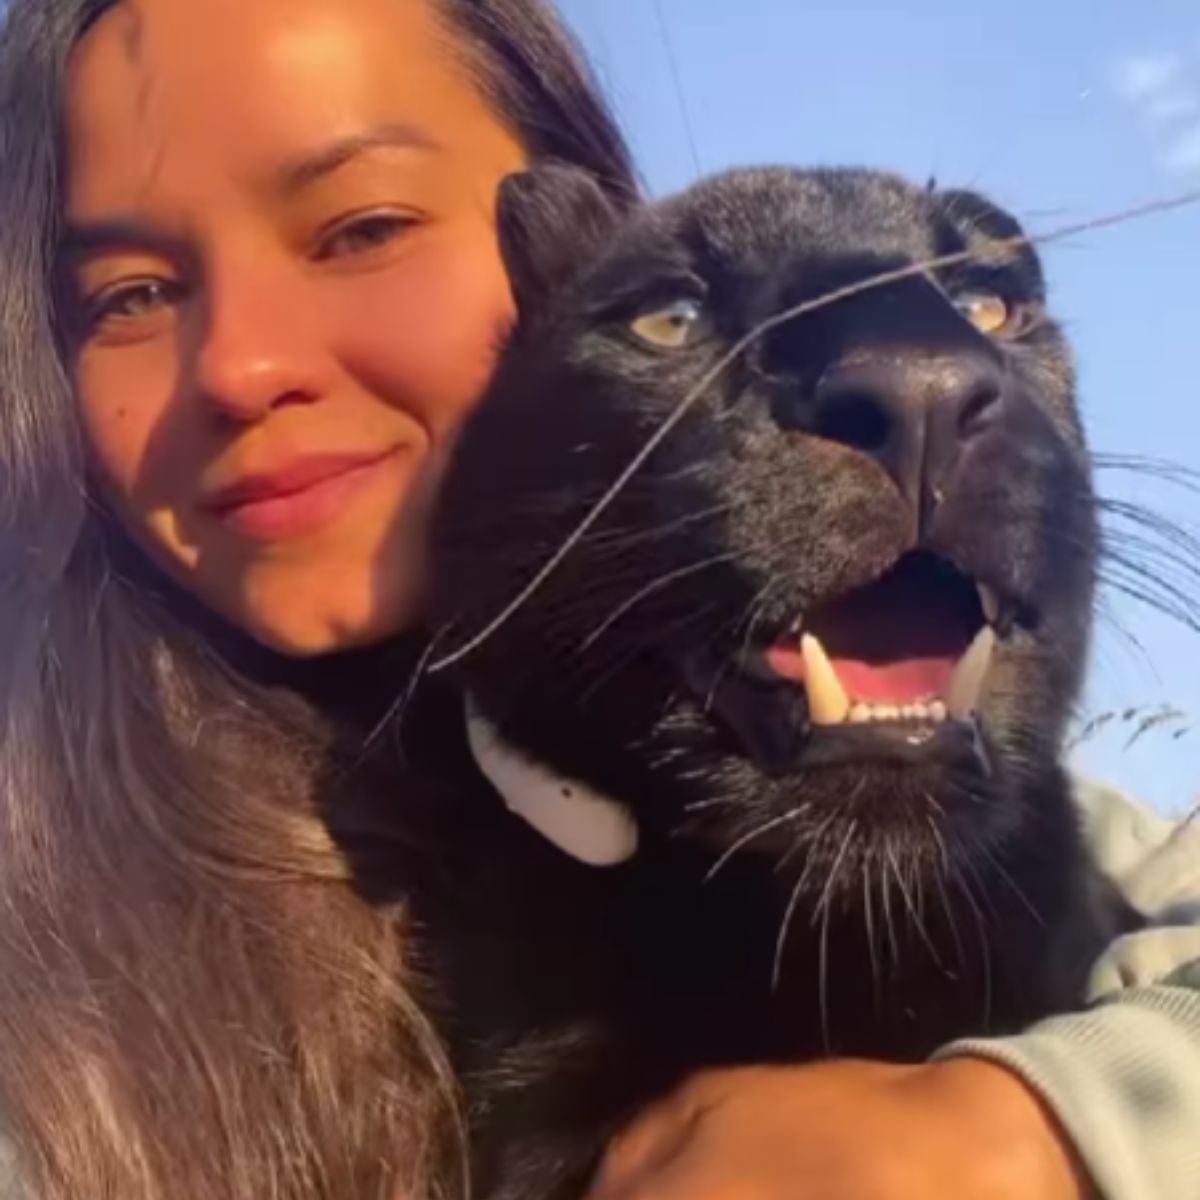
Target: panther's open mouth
913,646
896,669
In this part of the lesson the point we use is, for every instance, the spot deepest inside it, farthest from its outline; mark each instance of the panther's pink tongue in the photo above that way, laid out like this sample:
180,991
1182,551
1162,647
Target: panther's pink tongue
917,642
907,681
841,689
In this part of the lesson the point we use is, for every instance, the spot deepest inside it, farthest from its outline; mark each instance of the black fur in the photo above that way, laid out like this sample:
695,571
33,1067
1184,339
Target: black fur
927,890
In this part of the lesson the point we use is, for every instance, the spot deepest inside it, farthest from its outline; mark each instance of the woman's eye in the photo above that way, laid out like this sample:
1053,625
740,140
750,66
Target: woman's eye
363,233
677,325
132,300
988,312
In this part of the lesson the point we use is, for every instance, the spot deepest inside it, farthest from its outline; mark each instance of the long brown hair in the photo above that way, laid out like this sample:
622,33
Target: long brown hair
194,1000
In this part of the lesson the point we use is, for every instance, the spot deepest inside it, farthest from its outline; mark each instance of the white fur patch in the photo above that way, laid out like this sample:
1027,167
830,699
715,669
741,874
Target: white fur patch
580,821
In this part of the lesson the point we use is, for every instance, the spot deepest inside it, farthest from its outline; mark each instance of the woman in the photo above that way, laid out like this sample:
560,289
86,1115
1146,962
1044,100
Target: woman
249,286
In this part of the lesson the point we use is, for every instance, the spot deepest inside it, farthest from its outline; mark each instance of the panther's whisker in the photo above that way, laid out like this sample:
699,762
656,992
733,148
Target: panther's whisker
817,840
1017,891
743,842
889,916
755,612
984,942
823,978
781,942
941,875
869,922
656,585
393,717
716,802
1154,468
824,907
912,906
607,669
719,676
625,539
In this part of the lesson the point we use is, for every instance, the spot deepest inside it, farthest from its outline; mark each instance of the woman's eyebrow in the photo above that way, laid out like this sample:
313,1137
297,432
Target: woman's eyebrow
83,240
89,239
306,169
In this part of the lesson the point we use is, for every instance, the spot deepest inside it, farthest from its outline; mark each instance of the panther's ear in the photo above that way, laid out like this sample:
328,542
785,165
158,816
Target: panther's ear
975,215
549,218
962,207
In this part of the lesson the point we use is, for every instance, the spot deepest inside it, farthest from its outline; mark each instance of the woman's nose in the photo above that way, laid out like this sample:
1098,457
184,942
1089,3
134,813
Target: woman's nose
258,346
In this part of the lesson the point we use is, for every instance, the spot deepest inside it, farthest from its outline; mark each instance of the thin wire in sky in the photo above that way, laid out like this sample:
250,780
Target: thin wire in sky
673,63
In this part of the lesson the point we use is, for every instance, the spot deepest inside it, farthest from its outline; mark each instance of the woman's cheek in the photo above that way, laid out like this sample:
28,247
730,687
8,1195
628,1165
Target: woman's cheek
119,417
425,335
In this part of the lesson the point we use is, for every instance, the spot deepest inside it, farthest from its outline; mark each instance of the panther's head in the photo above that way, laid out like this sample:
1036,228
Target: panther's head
839,615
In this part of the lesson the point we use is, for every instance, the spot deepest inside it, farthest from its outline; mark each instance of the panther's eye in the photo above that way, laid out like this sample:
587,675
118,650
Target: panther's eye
673,327
987,311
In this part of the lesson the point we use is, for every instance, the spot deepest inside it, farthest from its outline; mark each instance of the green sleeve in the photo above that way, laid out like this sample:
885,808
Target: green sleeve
1123,1075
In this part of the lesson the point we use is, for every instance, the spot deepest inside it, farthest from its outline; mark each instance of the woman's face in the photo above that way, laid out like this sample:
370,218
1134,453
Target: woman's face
280,230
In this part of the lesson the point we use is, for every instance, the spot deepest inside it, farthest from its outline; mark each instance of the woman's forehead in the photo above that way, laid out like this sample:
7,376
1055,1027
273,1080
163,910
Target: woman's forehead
180,89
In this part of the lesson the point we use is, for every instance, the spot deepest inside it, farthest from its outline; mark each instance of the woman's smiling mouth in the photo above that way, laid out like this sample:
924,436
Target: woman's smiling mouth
295,498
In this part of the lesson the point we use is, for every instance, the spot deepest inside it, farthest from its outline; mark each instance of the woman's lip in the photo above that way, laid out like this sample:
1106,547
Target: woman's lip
290,477
296,498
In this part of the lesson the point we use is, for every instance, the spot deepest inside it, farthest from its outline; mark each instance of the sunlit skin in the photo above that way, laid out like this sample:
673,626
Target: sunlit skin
282,241
958,1129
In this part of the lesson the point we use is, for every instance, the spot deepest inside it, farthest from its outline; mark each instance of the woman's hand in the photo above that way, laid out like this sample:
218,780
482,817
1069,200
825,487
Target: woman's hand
963,1129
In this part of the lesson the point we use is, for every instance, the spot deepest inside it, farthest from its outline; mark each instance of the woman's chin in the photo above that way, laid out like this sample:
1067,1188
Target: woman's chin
306,625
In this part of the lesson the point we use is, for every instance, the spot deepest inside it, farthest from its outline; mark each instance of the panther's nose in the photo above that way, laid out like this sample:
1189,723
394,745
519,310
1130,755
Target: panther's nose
913,413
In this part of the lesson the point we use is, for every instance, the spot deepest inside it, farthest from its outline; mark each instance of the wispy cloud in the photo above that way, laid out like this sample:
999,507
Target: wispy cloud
1165,91
1147,75
1184,154
1178,105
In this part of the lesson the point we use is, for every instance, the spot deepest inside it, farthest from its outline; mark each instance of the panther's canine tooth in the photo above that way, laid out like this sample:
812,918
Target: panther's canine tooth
962,696
990,602
828,703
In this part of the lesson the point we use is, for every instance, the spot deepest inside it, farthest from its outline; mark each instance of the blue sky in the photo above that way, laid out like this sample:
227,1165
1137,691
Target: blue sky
1061,111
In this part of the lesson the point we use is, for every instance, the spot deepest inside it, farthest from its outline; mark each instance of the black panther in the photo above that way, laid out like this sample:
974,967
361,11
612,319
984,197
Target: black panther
796,696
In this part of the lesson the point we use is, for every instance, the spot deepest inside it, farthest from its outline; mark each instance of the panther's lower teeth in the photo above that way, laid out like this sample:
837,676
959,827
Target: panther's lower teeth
828,703
934,713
